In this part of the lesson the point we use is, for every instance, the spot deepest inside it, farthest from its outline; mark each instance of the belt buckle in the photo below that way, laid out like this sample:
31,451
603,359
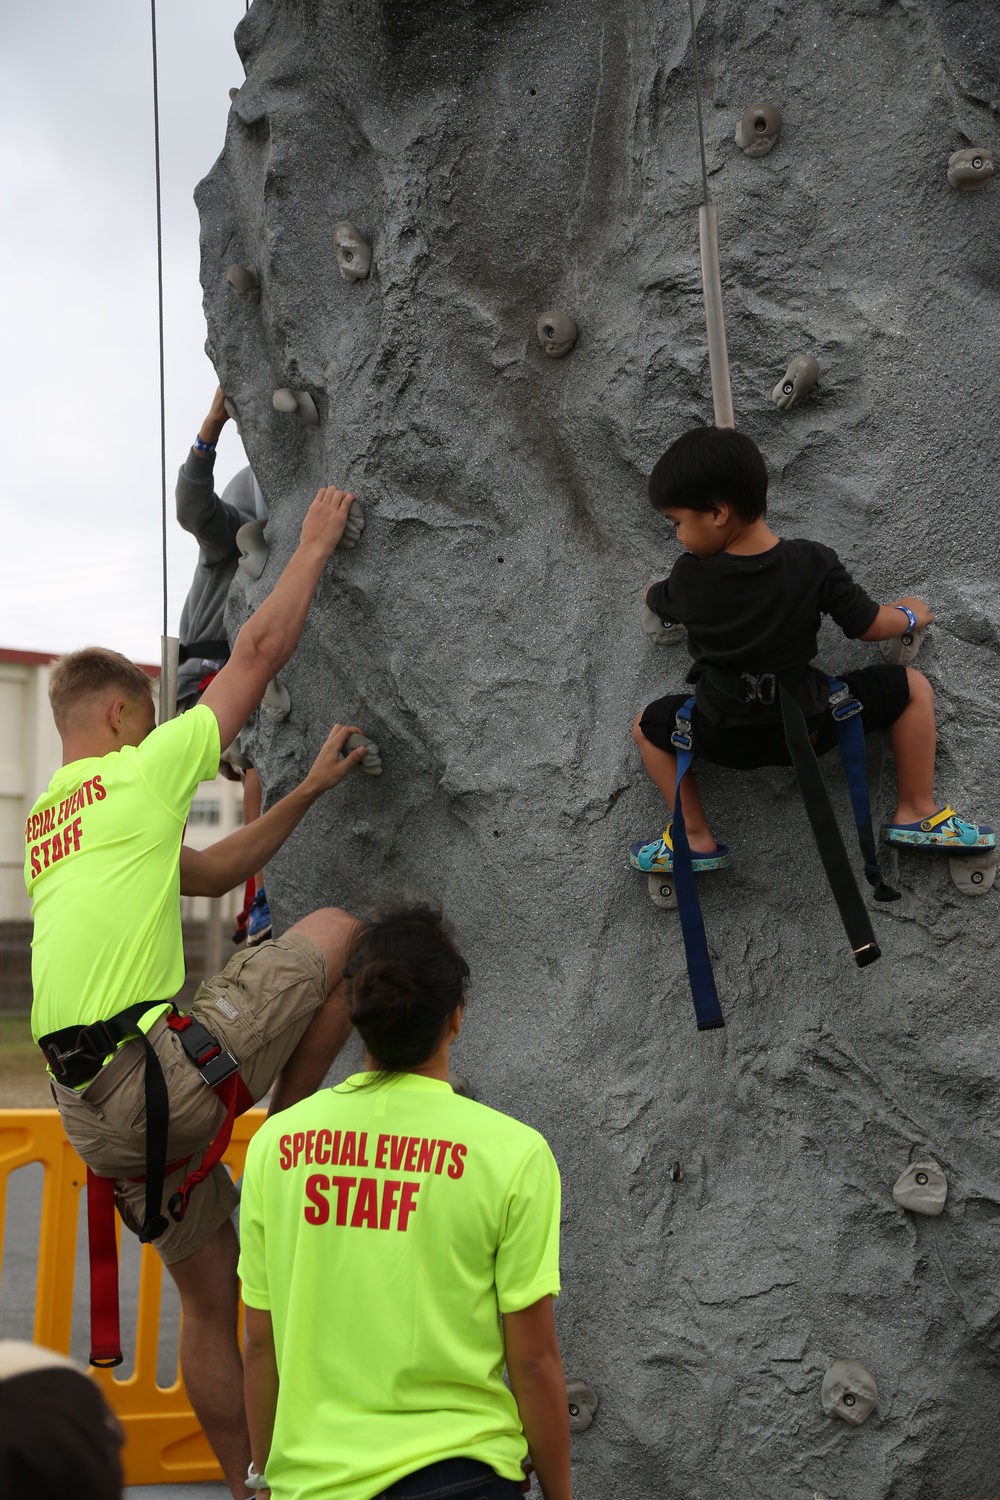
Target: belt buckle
844,705
218,1068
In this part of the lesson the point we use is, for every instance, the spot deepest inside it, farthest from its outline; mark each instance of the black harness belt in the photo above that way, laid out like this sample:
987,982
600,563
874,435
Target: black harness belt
205,651
76,1055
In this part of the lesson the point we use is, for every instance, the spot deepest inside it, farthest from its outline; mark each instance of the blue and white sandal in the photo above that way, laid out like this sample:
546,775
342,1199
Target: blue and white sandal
945,830
657,857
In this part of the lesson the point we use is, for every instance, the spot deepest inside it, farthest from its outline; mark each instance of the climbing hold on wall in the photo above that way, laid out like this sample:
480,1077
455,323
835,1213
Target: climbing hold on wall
582,1405
759,128
355,526
232,94
922,1188
277,704
662,893
800,377
904,648
556,333
971,169
353,252
659,631
460,1084
233,755
231,409
848,1392
296,403
244,282
676,1172
372,763
974,874
253,548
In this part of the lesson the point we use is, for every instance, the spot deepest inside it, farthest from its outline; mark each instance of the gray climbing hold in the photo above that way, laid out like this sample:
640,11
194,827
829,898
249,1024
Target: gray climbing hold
661,891
582,1405
659,631
244,282
232,94
355,526
800,377
922,1188
848,1392
233,754
556,333
676,1172
974,874
253,548
461,1085
231,409
372,763
353,252
297,404
901,650
759,128
277,704
970,170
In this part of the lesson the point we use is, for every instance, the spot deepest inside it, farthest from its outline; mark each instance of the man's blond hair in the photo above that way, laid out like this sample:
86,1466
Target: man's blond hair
86,673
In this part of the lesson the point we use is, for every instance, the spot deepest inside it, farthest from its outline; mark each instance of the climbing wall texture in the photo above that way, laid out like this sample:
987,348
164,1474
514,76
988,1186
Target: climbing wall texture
508,158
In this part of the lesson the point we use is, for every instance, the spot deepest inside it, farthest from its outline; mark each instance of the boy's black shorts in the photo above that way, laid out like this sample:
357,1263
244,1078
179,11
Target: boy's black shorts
882,691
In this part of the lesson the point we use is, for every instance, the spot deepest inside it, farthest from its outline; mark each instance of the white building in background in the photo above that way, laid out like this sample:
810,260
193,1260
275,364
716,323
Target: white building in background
29,753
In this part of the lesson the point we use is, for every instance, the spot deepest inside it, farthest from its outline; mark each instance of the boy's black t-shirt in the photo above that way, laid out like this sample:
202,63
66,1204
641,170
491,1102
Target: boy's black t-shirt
761,614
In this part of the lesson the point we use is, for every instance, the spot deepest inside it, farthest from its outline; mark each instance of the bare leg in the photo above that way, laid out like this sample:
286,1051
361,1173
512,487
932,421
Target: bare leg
210,1352
662,768
331,930
253,801
913,739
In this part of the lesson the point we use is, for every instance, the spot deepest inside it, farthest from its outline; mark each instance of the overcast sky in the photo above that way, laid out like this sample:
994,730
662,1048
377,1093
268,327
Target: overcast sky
81,557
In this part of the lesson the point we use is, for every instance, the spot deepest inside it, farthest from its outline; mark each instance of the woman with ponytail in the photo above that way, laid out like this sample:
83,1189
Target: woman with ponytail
400,1246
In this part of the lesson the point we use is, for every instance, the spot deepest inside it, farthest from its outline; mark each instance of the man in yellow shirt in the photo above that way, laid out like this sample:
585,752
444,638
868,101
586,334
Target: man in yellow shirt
105,866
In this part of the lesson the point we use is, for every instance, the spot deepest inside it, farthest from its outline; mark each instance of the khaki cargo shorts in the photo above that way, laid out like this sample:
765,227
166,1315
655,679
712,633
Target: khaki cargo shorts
257,1008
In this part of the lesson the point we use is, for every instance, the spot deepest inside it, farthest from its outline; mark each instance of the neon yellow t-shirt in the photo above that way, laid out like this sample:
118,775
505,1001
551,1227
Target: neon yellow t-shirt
385,1229
102,863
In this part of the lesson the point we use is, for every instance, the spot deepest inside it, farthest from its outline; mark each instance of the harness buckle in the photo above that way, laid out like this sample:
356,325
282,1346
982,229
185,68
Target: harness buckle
681,739
762,689
843,704
209,1057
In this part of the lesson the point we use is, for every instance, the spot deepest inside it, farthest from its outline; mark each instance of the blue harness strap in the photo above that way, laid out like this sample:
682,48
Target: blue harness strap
846,712
707,1010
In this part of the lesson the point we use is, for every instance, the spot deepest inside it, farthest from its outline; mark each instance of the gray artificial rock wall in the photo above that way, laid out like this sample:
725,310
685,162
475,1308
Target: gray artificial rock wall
510,157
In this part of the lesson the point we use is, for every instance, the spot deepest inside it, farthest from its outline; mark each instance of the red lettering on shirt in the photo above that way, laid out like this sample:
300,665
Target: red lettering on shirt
100,791
458,1155
86,788
44,846
380,1150
285,1152
348,1150
36,868
57,847
310,1142
411,1154
397,1151
316,1187
390,1196
407,1203
366,1204
343,1186
362,1149
425,1160
76,829
298,1146
324,1141
443,1147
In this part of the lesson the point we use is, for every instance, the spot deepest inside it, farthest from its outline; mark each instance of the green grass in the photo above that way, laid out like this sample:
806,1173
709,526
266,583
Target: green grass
23,1079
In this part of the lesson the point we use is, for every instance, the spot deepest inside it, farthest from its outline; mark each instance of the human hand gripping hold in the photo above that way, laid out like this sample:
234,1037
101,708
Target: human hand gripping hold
893,620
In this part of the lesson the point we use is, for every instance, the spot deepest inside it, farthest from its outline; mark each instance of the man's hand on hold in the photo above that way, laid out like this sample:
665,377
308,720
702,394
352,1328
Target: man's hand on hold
216,419
331,765
325,519
917,607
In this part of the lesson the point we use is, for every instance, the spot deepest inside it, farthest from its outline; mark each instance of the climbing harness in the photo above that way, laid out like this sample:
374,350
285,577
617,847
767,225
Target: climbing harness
765,688
711,275
76,1055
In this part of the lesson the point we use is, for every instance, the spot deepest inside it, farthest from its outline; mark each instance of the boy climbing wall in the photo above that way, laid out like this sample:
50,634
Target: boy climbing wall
751,603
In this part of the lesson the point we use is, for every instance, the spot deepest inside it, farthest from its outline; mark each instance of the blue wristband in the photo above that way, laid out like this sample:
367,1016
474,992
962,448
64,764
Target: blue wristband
200,447
910,616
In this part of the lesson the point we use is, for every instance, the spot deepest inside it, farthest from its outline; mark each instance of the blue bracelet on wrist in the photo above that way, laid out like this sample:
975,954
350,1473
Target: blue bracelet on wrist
200,447
911,618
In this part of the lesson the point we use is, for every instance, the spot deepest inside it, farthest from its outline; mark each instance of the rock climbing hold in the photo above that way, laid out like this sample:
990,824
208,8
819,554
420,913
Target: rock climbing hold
974,874
922,1188
233,754
662,893
355,526
231,409
659,631
372,763
582,1405
556,333
277,704
676,1172
244,282
232,94
296,403
903,648
971,169
800,377
848,1392
759,128
461,1085
353,252
253,548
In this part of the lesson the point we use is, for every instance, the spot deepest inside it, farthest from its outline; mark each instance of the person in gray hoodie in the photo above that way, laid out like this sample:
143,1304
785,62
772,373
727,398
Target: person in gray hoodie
213,521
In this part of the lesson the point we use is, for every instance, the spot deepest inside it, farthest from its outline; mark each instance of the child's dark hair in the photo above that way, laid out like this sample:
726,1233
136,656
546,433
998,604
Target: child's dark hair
709,464
404,977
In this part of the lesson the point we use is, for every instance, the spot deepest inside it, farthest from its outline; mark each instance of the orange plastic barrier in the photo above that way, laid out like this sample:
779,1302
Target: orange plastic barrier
163,1442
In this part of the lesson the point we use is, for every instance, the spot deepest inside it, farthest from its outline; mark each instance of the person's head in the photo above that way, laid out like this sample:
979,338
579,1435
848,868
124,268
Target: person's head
406,985
710,480
58,1436
99,692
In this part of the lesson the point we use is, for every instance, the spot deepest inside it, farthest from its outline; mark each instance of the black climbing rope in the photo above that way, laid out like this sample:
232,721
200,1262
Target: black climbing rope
697,94
159,286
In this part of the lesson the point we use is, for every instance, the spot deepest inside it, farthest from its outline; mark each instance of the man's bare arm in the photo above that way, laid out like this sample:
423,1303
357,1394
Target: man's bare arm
534,1366
271,634
230,862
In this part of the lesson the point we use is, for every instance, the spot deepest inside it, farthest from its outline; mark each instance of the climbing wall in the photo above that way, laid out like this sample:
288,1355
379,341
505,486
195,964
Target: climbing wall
730,1229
